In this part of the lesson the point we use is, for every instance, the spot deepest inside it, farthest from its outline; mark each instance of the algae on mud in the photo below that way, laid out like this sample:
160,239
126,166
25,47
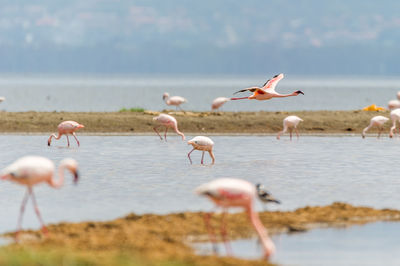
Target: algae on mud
165,239
191,122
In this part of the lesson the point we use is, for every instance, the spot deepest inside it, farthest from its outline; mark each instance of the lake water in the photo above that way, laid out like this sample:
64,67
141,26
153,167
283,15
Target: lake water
141,174
111,93
367,245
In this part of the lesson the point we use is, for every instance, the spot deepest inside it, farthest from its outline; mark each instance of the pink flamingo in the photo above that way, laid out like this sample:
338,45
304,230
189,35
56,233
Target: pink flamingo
230,192
204,144
31,170
65,128
290,123
376,121
169,122
267,91
174,100
393,104
395,116
218,102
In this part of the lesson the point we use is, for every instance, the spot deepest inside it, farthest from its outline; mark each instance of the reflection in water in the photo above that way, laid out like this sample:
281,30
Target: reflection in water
371,244
123,174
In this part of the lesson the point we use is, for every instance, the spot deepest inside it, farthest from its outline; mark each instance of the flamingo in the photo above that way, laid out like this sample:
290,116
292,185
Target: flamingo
204,144
393,104
395,116
376,121
32,170
218,102
230,192
174,100
65,128
167,121
290,123
267,91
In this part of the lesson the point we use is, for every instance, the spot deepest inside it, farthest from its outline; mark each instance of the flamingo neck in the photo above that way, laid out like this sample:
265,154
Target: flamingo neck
60,181
268,245
241,98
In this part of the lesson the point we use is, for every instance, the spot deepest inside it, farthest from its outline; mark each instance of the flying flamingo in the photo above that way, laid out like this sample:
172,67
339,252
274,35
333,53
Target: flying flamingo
174,100
65,128
31,170
376,121
218,102
204,144
230,192
290,123
167,121
395,116
267,91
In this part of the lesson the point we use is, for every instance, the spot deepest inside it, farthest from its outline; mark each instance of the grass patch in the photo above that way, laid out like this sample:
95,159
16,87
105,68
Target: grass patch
134,109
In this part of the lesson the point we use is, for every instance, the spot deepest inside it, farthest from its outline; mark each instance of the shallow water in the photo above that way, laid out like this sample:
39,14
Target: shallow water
141,174
371,244
111,93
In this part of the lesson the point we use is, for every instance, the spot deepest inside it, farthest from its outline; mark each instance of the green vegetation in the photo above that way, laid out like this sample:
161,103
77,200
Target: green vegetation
134,109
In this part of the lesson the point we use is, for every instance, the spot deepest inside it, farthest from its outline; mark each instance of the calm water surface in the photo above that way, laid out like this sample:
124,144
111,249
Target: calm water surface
367,245
111,93
141,174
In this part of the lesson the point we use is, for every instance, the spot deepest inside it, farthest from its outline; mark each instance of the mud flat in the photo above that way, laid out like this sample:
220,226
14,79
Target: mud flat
165,239
315,122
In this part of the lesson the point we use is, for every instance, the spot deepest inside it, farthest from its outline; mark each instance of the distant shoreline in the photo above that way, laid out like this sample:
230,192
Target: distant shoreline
318,123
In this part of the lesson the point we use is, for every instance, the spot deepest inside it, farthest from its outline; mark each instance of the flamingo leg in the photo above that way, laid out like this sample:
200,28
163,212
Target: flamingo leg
380,131
67,139
224,234
21,214
202,158
210,231
165,134
297,132
212,156
155,129
291,131
44,229
189,155
77,141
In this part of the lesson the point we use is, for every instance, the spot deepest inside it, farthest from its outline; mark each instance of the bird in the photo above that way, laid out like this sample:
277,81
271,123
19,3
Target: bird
169,122
231,192
264,195
395,116
376,121
65,128
393,104
174,100
290,123
31,170
204,144
2,99
267,91
218,102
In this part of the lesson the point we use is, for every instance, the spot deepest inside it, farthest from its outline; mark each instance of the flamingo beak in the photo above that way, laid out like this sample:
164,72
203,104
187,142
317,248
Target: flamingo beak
76,177
80,126
300,92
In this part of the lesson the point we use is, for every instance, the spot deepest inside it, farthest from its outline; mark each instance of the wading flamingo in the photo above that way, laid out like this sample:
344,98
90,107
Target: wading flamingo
169,122
65,128
290,123
31,170
204,144
376,121
267,91
218,102
174,100
230,192
393,104
395,116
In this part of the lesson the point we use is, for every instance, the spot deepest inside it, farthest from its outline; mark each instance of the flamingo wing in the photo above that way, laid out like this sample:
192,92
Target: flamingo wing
270,84
252,89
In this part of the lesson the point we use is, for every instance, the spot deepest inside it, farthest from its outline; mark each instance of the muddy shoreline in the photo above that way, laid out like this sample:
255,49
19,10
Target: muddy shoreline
157,239
125,123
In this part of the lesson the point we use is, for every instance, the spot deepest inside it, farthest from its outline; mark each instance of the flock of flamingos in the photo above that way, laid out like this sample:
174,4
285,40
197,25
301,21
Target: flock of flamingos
224,192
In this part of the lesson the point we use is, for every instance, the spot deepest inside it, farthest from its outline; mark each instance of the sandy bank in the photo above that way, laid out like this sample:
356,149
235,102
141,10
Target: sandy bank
163,239
315,122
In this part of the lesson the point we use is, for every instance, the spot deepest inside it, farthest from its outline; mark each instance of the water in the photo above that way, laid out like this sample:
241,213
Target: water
141,174
371,244
111,93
